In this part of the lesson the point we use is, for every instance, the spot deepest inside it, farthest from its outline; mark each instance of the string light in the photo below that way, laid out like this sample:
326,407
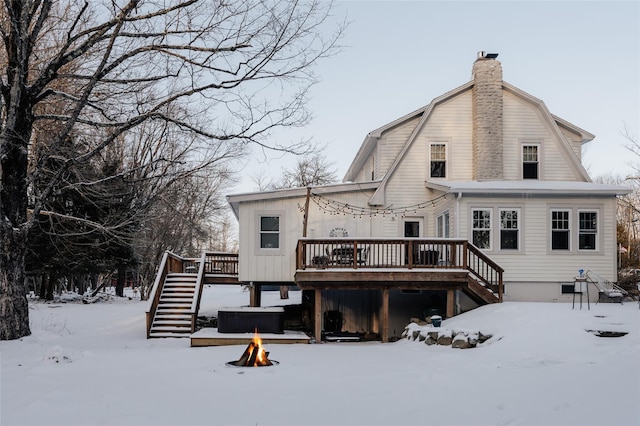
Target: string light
334,207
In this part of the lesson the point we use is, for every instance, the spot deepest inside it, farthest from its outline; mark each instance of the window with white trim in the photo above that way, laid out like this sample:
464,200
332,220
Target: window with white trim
442,225
588,230
509,229
373,167
530,162
560,229
438,160
481,228
269,232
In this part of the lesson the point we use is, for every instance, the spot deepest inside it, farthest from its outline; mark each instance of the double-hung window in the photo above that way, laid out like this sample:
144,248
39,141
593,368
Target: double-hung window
560,229
481,228
509,229
269,232
530,162
588,231
438,160
442,225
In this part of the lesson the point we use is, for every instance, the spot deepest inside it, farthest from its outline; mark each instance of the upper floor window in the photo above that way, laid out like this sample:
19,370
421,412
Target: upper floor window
269,232
442,225
530,162
509,229
560,229
588,231
373,167
438,160
481,228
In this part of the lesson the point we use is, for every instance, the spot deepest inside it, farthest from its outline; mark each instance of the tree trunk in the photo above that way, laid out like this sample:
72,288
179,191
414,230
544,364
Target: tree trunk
51,282
122,273
43,286
14,308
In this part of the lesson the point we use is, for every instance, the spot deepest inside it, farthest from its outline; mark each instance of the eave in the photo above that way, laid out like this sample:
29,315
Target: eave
234,200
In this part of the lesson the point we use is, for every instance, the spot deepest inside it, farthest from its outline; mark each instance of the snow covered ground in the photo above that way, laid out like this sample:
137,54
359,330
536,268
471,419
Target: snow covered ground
92,365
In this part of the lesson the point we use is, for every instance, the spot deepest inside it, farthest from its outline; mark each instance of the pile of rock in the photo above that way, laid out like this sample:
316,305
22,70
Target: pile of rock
460,339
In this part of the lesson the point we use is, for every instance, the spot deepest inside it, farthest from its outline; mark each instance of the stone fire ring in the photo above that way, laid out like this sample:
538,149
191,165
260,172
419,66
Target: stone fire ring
235,364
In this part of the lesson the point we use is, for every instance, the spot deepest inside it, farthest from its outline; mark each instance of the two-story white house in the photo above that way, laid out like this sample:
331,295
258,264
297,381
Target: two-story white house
478,197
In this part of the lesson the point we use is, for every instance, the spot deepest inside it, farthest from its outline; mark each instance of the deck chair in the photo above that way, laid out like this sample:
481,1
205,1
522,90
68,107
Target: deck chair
363,256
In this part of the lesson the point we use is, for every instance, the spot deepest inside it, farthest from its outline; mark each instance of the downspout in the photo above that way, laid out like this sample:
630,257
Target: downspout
458,197
458,214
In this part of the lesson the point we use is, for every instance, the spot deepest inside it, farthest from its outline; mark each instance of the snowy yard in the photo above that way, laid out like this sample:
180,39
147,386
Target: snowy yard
92,365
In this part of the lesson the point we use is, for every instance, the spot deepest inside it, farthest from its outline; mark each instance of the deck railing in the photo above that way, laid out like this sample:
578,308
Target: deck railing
405,253
170,263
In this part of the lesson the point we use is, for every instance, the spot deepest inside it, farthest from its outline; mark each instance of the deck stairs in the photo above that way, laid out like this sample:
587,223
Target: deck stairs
173,315
609,291
480,292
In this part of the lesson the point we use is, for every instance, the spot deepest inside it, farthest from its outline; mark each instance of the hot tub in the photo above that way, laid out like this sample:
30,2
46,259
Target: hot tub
248,319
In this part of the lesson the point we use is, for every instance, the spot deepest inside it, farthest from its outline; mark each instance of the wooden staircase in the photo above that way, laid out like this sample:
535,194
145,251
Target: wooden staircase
173,314
174,300
479,293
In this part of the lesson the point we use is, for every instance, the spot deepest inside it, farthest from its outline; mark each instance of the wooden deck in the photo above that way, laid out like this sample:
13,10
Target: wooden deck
371,279
211,337
405,263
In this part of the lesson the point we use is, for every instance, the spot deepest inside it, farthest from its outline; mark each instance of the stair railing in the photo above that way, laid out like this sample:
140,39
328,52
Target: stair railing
484,270
604,285
409,253
170,263
197,295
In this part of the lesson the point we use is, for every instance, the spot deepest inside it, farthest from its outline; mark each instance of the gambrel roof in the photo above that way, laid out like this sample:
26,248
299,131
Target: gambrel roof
555,124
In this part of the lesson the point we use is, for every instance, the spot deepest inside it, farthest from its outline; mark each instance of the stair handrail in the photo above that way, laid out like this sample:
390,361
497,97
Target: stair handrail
197,295
603,284
154,296
491,268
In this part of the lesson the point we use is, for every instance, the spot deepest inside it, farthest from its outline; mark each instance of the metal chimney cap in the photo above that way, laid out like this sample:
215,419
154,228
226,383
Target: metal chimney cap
484,55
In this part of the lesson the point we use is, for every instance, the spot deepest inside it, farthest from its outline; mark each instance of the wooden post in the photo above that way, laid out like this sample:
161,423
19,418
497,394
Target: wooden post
384,317
317,315
451,297
305,218
255,295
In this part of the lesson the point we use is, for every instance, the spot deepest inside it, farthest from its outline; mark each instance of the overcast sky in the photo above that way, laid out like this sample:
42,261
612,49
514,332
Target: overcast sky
582,58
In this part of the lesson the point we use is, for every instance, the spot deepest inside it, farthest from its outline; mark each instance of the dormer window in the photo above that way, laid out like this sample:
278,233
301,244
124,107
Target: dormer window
530,162
438,160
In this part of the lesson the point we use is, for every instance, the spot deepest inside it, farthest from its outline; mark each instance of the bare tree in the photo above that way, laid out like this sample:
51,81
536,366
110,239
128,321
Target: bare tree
219,74
310,170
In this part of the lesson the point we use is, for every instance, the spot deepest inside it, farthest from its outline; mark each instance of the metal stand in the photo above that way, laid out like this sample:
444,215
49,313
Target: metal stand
580,286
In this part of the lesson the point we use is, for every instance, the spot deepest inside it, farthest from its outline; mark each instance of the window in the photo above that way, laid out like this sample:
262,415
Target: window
442,225
509,229
438,156
530,162
560,230
588,222
373,167
269,232
481,228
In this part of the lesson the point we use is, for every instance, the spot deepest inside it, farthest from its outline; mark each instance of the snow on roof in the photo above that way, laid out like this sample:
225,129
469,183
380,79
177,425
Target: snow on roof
529,186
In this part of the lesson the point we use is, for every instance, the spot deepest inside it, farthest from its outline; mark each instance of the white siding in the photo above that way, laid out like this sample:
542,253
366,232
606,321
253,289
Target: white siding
535,262
450,122
575,142
391,143
523,123
258,265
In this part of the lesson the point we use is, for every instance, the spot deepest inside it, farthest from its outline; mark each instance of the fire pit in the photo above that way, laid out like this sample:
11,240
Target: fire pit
254,355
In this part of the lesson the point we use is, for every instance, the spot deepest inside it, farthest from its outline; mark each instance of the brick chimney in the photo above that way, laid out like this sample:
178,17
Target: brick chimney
487,117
